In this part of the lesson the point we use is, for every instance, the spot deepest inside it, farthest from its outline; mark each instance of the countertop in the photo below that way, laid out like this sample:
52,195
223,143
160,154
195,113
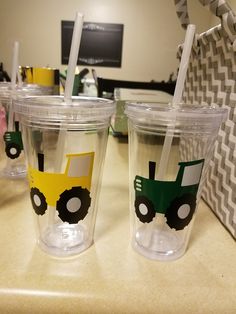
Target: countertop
110,277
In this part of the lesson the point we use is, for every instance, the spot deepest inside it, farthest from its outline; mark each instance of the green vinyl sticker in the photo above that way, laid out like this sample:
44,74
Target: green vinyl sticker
175,199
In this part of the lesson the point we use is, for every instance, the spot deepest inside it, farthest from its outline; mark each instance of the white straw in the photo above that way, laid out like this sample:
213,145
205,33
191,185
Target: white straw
20,83
15,64
74,51
188,42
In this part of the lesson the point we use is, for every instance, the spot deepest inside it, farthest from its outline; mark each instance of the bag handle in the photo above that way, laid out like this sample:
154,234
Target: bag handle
220,8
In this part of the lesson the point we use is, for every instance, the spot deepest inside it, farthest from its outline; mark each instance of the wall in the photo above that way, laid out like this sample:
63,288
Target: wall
151,32
232,3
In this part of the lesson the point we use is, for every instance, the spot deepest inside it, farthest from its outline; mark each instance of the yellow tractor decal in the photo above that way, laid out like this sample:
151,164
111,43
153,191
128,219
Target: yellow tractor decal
69,192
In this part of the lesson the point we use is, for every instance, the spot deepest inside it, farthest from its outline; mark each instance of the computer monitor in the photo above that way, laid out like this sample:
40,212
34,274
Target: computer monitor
101,44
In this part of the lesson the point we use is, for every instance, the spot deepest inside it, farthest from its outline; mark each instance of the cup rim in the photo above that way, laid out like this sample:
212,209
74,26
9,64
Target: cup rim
168,111
6,91
54,107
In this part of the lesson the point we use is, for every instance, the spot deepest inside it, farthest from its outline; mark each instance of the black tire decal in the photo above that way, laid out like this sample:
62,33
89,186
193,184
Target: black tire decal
9,153
150,210
83,200
172,216
39,206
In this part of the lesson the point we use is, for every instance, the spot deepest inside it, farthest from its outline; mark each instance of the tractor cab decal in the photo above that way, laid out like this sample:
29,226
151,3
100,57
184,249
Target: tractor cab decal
175,199
68,192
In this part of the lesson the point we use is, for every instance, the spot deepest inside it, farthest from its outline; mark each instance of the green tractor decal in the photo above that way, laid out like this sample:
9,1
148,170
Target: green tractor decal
13,142
175,199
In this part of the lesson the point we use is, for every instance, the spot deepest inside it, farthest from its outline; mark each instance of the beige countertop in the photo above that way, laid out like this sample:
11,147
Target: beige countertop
110,277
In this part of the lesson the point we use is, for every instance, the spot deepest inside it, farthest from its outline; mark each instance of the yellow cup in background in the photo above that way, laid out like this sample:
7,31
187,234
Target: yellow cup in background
45,76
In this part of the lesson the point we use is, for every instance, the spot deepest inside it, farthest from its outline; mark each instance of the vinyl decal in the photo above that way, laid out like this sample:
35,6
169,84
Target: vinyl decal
13,142
68,192
175,199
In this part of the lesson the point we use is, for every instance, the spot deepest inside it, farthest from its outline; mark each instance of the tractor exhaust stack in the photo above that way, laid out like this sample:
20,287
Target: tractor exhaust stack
41,162
152,170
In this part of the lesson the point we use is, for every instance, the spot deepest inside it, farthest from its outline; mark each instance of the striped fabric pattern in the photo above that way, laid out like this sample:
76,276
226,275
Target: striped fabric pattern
211,79
182,12
219,8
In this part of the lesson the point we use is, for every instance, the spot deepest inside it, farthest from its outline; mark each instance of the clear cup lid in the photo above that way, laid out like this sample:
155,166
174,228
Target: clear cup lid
165,113
56,108
5,91
32,90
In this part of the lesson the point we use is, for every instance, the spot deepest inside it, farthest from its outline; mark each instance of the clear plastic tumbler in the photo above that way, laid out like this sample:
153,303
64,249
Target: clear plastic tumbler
65,144
12,161
165,185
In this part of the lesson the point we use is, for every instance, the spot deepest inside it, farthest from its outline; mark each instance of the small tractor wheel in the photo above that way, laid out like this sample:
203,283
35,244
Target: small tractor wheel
13,150
73,204
181,211
144,209
38,201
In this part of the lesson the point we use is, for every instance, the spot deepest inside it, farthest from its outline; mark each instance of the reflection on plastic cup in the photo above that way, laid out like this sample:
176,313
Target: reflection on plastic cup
12,162
163,207
65,148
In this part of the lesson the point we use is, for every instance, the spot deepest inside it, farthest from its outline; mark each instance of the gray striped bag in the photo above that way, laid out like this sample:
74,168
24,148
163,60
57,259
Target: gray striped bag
211,79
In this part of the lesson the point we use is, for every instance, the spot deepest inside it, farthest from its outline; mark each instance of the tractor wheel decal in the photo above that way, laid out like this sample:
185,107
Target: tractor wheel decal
181,211
73,204
16,150
38,201
144,209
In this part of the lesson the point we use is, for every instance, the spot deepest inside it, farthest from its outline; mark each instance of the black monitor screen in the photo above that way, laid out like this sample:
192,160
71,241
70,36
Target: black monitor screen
101,44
